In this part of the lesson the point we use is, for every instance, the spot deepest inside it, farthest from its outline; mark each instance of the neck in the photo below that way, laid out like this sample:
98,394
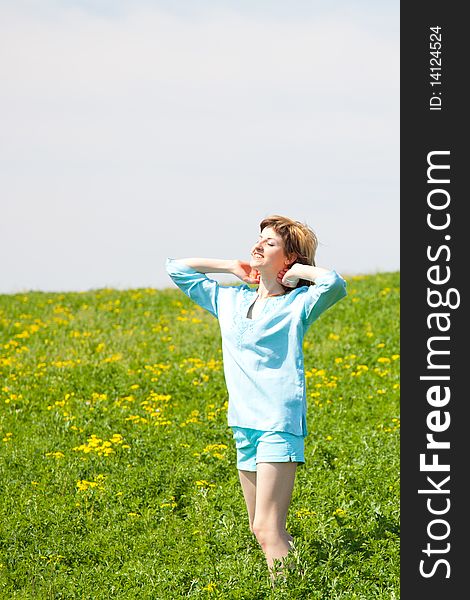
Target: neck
269,287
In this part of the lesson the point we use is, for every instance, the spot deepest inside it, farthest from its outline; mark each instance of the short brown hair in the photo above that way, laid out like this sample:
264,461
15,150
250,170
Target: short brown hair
298,239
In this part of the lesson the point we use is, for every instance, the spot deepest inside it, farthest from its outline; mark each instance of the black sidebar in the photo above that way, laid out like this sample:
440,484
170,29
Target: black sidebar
435,266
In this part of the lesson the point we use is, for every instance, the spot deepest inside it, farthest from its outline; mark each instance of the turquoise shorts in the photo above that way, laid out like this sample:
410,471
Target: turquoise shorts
254,446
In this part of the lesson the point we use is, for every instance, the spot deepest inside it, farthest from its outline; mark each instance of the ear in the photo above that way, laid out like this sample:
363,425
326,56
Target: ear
290,260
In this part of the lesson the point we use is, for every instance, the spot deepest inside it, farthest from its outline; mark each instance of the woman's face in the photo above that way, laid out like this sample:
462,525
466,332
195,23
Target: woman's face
267,254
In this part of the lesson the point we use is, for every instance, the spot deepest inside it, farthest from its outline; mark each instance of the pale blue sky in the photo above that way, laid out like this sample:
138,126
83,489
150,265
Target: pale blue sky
133,131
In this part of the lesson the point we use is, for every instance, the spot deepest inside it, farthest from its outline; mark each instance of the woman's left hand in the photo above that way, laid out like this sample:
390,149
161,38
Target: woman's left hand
287,277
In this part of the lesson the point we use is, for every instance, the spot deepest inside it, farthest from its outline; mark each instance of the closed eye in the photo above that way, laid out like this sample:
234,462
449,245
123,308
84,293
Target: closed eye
260,239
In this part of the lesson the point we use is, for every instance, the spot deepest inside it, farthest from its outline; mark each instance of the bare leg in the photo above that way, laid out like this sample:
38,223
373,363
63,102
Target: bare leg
274,485
248,483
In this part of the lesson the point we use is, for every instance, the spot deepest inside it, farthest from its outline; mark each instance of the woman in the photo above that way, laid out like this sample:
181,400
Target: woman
262,332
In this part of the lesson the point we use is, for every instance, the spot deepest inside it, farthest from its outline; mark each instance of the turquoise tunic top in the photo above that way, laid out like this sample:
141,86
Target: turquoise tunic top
263,357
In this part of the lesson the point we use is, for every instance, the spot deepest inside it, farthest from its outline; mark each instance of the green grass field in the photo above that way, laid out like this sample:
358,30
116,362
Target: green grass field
118,470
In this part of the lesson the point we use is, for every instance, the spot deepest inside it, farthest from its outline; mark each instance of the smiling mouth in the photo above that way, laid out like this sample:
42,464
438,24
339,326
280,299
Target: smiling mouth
257,255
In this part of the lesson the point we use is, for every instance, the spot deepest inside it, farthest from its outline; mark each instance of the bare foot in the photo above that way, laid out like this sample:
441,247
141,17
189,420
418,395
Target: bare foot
280,575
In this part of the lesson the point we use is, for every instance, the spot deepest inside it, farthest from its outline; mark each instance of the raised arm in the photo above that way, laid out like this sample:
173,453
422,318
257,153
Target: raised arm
239,268
290,277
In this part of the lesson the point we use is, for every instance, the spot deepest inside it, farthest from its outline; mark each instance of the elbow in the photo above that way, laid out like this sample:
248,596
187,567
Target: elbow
341,286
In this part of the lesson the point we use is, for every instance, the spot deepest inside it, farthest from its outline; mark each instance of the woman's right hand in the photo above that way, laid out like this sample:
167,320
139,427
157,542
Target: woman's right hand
244,271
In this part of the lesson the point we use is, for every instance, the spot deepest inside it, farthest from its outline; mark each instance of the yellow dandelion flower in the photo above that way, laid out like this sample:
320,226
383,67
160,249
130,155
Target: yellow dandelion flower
211,447
304,512
55,454
82,485
171,504
204,483
112,358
